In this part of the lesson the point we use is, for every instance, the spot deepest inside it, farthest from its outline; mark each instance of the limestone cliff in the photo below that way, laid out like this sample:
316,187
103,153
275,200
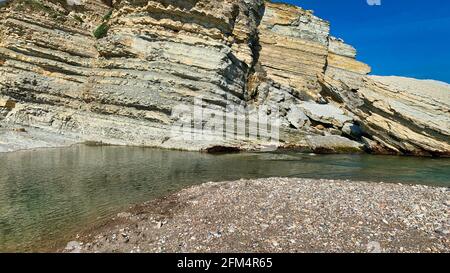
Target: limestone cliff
117,71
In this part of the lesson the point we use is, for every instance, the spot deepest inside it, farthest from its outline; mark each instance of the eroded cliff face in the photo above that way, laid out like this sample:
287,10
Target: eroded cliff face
117,72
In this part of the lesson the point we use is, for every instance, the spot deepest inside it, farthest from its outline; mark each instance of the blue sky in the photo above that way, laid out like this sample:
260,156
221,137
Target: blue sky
400,37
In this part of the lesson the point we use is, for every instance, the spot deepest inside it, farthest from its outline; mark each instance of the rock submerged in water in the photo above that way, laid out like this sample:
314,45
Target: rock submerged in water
66,86
73,247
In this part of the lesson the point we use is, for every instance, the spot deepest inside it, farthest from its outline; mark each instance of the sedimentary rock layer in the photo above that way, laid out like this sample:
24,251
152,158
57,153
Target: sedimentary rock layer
130,72
294,47
122,88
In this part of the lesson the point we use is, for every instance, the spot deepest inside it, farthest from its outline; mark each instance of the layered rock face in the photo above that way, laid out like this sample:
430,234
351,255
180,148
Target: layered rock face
121,89
294,47
130,72
405,115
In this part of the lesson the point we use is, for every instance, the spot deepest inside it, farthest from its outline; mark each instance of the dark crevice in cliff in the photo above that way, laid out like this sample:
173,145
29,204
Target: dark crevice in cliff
222,150
256,73
48,56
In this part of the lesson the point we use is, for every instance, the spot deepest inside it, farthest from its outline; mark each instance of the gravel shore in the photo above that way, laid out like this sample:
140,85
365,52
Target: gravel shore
281,215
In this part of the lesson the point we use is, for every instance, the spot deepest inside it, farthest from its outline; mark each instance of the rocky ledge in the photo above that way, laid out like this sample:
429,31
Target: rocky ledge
118,71
281,215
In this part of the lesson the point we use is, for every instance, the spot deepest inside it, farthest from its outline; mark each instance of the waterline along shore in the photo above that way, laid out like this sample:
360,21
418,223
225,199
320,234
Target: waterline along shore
280,215
220,126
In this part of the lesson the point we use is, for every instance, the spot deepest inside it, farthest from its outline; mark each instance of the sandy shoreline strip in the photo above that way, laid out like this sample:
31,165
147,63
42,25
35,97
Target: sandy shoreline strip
281,215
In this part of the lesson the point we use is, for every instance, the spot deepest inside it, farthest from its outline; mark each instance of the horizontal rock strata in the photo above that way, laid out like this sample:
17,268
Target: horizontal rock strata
131,72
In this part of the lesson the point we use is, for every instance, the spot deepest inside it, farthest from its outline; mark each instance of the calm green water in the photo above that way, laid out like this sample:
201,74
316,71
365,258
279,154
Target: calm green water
47,196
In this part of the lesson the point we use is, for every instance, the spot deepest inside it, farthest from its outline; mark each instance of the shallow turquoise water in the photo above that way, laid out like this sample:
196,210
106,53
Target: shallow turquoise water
46,196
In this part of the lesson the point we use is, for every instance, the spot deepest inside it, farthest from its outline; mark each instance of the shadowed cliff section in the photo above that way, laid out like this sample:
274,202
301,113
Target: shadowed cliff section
113,72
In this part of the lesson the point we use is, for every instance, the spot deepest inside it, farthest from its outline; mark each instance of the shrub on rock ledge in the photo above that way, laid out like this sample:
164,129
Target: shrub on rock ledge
101,31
